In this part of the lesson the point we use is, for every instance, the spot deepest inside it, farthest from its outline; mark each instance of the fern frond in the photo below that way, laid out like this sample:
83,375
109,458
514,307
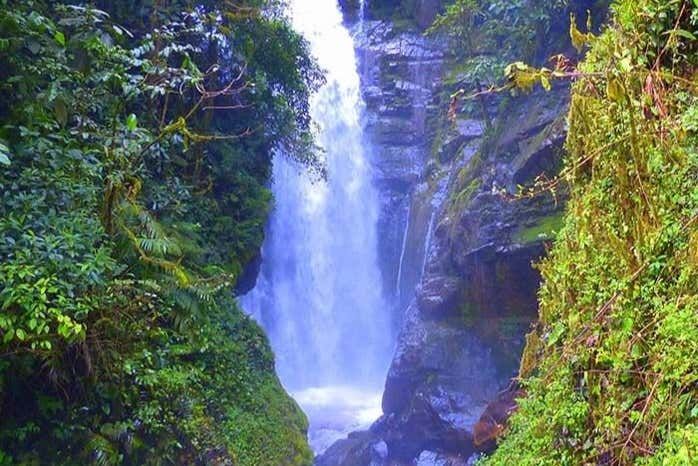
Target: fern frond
160,247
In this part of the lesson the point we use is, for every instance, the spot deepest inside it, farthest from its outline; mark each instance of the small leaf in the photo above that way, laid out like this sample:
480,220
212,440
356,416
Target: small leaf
682,33
60,38
579,38
120,30
614,90
132,122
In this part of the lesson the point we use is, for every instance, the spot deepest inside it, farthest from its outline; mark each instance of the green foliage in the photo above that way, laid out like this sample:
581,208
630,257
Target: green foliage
487,34
134,155
611,370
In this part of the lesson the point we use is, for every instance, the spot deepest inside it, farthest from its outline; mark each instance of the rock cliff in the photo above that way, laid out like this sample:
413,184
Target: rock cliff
401,80
456,252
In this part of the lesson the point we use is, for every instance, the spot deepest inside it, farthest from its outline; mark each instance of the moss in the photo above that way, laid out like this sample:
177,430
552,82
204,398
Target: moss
270,431
461,199
440,127
545,229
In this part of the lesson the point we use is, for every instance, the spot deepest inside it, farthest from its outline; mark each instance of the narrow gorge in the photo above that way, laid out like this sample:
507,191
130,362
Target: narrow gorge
349,232
455,253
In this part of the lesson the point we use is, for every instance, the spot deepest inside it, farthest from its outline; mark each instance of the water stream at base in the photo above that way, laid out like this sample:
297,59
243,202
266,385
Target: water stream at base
319,293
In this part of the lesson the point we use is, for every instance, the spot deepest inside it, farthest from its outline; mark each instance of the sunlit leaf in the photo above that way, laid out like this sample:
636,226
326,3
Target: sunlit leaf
60,38
132,122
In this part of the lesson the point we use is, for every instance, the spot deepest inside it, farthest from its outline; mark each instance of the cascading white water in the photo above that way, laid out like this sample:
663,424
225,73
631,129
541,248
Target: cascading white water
319,293
405,235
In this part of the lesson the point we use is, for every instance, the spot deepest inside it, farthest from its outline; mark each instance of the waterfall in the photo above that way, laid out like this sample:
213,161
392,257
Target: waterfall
402,253
427,240
319,294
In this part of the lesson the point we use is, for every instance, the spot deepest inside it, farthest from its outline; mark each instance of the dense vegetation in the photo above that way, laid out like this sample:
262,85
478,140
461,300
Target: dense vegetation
485,35
135,146
611,371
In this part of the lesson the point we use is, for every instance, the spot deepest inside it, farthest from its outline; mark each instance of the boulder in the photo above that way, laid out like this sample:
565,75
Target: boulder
358,449
433,458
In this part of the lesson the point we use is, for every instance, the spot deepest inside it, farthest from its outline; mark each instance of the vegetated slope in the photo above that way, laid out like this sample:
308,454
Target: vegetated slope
611,371
135,146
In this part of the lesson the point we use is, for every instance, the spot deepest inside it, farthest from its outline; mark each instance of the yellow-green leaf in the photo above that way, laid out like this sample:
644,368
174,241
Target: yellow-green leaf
614,89
132,122
60,38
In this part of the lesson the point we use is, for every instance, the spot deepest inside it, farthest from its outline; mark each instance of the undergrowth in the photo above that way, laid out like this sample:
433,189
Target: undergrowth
133,190
611,371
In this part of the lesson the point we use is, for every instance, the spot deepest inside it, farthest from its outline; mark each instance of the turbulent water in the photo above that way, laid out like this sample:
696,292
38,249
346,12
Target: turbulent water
319,292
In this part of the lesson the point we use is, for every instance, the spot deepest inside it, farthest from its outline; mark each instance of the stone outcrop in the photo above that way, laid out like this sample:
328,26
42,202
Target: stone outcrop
461,339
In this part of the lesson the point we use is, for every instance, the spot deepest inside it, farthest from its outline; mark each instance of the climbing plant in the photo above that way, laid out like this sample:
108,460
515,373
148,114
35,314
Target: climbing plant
610,371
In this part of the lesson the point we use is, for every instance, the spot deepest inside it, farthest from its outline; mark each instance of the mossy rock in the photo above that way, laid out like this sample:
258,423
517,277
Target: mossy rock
545,229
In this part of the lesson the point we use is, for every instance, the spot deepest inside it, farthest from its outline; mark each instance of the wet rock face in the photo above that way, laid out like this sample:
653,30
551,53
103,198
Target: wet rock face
455,252
358,449
463,333
441,379
401,80
438,295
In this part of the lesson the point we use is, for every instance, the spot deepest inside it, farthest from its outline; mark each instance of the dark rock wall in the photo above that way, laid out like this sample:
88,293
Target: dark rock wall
401,77
460,342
